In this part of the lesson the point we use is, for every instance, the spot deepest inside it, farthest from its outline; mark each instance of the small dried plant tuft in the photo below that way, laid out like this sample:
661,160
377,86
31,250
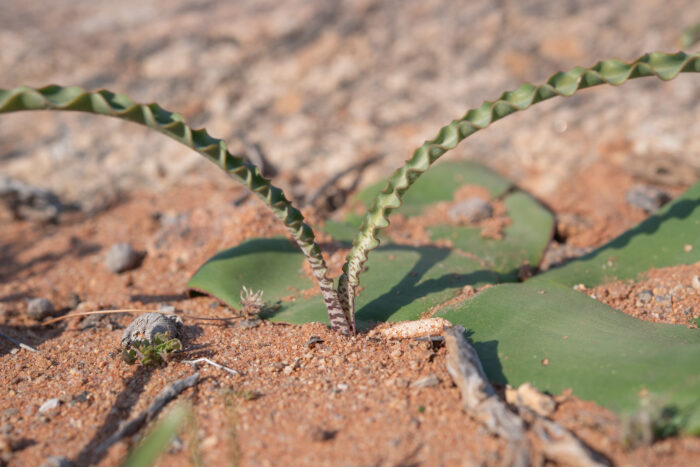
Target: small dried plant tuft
251,303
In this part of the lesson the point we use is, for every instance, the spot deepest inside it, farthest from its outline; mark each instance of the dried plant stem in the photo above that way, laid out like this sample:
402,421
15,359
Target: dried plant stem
481,402
209,362
20,344
169,393
132,310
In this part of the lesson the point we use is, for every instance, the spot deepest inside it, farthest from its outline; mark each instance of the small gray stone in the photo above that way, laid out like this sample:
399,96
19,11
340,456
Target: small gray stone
40,308
645,296
471,210
647,198
121,257
57,461
147,325
50,405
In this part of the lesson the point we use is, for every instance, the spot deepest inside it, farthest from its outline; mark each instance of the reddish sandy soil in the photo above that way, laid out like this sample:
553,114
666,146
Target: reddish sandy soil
345,401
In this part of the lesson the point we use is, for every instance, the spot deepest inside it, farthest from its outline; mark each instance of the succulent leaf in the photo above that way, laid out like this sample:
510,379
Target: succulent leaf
173,125
664,66
556,338
600,353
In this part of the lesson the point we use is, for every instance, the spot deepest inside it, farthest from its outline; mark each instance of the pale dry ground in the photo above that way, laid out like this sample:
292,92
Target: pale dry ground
322,84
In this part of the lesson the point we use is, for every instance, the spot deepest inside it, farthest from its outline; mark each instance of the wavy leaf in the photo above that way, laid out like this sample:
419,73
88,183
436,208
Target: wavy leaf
663,66
173,125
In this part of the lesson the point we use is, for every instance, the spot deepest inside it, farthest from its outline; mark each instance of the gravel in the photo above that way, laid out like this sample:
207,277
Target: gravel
122,257
471,210
40,308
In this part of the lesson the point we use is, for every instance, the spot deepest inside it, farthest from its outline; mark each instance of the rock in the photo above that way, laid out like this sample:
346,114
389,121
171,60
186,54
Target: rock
471,210
57,461
147,325
40,308
647,198
28,202
645,296
313,340
426,382
49,405
122,257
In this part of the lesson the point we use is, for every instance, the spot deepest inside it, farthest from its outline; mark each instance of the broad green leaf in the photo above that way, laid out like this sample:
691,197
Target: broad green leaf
556,338
401,282
524,240
667,238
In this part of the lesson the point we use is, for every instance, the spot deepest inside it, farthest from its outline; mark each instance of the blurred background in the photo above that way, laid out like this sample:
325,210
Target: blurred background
323,85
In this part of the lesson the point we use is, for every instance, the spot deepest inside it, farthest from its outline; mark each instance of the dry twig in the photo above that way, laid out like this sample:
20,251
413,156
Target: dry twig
480,401
20,344
169,393
209,362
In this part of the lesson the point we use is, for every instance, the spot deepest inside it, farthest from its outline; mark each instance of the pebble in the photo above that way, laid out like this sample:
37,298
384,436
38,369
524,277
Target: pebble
645,296
647,198
342,387
40,308
147,325
50,405
471,210
313,340
121,257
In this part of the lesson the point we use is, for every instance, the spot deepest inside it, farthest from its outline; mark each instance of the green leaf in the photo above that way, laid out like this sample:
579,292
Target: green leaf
659,241
173,125
273,265
615,72
600,353
402,283
524,240
439,184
